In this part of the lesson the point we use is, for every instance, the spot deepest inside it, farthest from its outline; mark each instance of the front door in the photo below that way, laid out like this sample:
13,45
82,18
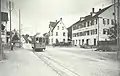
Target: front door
94,42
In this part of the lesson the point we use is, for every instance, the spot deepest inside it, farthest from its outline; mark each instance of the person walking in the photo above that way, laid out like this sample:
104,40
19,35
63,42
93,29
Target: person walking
12,46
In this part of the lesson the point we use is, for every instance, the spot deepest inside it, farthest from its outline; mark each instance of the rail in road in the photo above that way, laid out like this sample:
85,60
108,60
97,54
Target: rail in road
59,68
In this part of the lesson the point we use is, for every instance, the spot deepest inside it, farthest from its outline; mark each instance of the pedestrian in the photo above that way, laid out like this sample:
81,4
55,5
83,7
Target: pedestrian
12,45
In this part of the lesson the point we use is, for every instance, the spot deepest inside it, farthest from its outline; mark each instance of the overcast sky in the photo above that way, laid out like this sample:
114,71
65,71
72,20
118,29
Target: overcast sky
36,14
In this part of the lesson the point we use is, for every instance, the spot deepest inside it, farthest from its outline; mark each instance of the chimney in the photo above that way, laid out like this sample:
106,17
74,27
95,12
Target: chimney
93,10
56,20
91,13
61,19
80,18
99,9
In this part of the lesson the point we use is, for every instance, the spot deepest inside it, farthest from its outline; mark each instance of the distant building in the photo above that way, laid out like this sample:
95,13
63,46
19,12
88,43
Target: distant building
94,27
69,33
46,35
58,32
4,19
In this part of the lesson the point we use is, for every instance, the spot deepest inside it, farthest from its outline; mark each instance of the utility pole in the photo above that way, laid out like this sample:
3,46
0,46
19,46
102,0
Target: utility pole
10,10
118,28
1,50
20,27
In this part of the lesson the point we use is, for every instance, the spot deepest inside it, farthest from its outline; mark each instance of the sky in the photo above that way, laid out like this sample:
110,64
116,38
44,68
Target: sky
37,14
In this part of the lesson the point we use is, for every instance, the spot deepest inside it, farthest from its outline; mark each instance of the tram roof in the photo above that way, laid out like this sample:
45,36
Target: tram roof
39,35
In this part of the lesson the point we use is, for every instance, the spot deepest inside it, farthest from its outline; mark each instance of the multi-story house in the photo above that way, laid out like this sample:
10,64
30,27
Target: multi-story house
94,27
58,32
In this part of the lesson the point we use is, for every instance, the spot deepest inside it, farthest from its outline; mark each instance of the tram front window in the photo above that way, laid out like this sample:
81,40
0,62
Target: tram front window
37,40
40,40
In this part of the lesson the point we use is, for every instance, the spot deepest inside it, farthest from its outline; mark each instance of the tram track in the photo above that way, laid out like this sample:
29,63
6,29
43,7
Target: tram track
59,68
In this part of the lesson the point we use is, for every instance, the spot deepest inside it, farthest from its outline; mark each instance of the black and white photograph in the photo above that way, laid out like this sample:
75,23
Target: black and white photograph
60,38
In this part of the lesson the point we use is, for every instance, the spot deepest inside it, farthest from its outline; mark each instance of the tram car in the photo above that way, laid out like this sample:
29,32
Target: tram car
39,43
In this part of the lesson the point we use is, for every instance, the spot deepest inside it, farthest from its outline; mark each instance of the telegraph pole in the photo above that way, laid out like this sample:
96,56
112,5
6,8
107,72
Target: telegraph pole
10,10
20,27
118,29
1,50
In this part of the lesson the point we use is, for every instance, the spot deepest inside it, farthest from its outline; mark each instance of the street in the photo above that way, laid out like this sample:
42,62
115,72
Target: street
83,62
59,61
75,61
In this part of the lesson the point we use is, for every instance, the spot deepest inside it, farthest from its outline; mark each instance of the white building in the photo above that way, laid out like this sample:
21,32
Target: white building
85,31
58,32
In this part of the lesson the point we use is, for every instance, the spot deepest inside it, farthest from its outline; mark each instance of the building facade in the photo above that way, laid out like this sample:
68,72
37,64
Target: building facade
94,27
4,19
58,32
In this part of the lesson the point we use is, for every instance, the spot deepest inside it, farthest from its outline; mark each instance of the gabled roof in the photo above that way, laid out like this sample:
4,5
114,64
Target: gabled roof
89,17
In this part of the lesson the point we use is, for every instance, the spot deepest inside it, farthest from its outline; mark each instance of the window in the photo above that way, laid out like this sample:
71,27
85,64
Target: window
96,21
52,40
56,33
103,21
62,28
79,42
87,32
96,31
58,27
82,41
63,33
95,42
112,22
76,41
91,32
108,21
108,32
37,38
85,24
88,23
104,31
92,22
87,41
77,34
57,41
63,40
